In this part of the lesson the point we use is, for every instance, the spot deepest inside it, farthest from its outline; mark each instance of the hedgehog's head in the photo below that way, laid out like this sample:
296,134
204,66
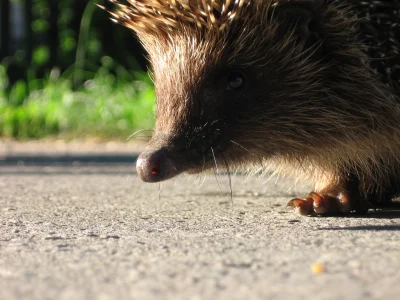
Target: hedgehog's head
240,80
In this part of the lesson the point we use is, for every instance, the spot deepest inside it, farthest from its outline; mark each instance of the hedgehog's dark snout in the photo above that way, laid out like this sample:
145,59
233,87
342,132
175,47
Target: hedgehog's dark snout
155,166
170,155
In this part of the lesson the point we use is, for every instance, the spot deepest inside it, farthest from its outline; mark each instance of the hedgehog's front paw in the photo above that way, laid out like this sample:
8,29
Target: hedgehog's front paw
323,204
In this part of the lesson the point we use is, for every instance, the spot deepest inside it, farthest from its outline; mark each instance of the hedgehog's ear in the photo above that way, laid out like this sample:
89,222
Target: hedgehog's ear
300,15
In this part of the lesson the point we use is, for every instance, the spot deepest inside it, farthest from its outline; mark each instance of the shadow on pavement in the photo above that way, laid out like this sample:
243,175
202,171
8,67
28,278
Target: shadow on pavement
125,171
83,164
43,160
367,228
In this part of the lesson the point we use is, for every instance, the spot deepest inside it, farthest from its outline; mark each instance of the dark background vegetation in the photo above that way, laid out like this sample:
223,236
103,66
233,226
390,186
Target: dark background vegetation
66,69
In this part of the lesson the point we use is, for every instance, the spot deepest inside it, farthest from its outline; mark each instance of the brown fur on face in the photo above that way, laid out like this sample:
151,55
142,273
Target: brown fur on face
310,104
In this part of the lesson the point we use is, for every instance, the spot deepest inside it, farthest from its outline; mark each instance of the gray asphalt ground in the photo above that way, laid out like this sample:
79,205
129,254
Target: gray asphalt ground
94,231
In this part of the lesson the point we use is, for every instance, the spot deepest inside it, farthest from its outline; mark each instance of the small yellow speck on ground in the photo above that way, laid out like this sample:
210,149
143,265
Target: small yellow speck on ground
317,268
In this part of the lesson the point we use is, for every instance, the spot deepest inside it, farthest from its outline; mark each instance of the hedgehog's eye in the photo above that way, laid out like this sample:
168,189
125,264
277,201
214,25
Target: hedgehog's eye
235,81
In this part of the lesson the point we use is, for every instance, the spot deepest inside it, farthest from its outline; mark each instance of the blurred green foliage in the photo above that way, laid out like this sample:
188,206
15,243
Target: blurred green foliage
107,105
79,91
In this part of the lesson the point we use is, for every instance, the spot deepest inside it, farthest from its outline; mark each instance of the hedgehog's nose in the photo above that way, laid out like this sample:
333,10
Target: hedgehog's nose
155,166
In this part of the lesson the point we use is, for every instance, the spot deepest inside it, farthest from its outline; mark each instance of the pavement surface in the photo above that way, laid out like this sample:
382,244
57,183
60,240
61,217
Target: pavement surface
88,229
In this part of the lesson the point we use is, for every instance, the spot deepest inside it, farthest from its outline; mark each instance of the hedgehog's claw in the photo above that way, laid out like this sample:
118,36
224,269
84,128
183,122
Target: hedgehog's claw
303,207
322,204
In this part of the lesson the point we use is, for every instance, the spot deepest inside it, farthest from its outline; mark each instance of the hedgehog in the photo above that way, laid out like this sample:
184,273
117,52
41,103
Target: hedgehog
305,88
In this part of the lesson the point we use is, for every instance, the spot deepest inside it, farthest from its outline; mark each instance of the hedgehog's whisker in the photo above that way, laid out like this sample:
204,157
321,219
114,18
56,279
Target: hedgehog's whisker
245,149
159,192
142,138
216,178
136,132
216,169
230,179
215,160
201,181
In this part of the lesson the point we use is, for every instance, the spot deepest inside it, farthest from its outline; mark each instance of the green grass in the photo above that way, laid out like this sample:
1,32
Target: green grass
107,105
